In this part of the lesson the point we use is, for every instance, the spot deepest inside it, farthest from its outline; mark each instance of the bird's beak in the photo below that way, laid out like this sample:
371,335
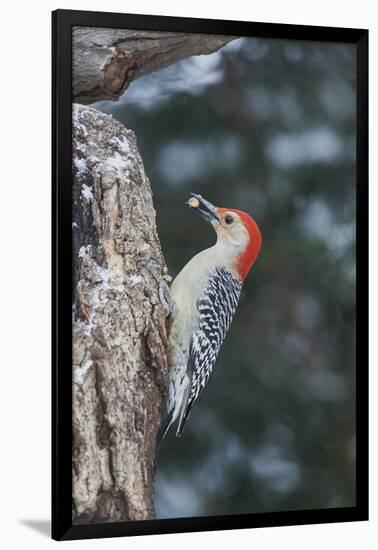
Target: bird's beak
210,214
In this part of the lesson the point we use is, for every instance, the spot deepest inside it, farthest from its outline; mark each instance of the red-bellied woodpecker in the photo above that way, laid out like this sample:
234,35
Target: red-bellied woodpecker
205,294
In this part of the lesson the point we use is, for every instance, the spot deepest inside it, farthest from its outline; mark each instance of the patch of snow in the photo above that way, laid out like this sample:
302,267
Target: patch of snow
135,279
104,286
77,117
80,165
86,192
123,144
105,275
80,372
87,327
84,250
96,302
118,162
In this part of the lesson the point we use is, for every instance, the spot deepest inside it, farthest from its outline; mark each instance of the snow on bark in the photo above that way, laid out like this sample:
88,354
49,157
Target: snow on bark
119,330
105,61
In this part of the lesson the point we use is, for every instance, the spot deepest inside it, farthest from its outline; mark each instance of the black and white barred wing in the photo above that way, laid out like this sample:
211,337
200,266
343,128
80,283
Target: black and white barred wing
216,309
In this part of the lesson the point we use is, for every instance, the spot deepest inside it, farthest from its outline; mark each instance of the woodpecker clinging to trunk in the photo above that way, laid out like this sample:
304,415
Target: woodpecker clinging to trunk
206,293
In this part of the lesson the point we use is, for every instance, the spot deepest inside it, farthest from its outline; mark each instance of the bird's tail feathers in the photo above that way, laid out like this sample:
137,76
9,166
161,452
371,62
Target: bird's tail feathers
163,429
185,410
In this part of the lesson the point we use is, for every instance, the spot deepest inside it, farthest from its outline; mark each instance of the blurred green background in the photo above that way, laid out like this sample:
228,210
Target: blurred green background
267,126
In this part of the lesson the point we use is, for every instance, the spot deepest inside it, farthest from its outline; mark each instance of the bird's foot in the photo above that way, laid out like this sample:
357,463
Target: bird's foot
163,280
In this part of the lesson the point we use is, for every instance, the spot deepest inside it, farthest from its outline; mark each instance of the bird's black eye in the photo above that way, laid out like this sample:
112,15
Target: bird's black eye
229,219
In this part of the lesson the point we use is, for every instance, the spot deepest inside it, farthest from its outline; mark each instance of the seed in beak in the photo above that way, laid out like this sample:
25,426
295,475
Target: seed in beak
193,202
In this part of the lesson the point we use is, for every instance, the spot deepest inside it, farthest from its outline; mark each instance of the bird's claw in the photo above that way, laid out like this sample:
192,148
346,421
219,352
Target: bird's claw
154,268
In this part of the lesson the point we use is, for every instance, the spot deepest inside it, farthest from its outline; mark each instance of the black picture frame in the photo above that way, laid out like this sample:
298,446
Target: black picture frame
62,23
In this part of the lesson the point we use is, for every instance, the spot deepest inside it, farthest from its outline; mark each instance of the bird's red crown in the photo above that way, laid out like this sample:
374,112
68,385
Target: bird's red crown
248,257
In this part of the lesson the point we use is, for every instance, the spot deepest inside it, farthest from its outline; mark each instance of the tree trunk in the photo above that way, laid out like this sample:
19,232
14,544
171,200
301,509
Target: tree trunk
119,332
105,61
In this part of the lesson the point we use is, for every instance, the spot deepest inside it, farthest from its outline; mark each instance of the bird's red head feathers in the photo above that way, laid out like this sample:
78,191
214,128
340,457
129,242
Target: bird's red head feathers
247,258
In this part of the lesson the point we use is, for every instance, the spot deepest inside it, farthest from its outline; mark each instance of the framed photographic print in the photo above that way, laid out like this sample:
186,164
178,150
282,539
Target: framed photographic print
210,245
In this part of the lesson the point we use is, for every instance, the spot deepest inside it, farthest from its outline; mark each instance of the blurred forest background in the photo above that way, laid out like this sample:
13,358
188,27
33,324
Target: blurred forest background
267,126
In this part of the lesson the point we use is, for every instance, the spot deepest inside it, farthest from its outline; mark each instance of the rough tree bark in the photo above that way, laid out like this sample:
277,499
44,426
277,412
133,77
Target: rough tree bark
120,341
105,61
119,332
